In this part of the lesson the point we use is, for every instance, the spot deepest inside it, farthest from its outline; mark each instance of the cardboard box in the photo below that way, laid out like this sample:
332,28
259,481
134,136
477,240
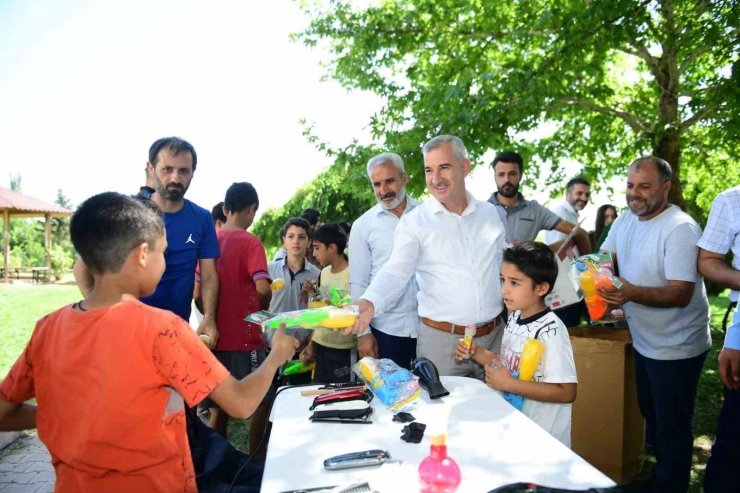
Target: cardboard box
608,430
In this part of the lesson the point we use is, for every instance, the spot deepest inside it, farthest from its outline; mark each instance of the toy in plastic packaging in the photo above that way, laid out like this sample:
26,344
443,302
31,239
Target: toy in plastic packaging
328,295
470,332
532,352
396,387
329,317
593,272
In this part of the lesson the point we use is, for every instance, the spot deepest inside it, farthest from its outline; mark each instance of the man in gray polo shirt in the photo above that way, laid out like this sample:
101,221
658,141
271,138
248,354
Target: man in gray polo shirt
524,219
294,270
655,247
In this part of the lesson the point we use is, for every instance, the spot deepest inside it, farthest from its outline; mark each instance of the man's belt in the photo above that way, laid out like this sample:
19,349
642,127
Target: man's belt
482,329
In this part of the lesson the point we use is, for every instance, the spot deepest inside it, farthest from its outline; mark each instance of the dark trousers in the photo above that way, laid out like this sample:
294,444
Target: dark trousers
217,462
722,468
666,391
402,350
334,365
571,315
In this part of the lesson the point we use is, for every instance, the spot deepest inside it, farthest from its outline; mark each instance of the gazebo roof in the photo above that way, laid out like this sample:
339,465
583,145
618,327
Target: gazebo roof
21,205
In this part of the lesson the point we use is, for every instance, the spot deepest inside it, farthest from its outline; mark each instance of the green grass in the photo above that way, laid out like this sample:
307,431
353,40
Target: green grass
22,305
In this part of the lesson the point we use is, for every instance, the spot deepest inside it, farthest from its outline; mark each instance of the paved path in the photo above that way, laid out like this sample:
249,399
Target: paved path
26,467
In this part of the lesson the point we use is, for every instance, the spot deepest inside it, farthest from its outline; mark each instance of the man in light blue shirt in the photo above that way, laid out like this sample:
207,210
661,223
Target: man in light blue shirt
721,235
393,334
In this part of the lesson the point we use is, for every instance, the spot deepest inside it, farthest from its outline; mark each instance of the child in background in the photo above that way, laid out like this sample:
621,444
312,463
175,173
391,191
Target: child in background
111,374
244,288
334,352
528,273
295,270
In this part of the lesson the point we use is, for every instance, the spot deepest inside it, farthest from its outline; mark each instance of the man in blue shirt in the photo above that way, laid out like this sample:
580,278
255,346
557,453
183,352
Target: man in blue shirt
191,236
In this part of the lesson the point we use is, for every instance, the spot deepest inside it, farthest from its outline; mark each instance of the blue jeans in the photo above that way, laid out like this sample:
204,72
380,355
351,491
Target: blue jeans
666,391
402,350
722,473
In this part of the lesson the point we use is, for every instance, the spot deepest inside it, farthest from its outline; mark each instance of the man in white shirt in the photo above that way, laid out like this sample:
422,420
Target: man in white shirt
391,335
453,244
663,295
577,194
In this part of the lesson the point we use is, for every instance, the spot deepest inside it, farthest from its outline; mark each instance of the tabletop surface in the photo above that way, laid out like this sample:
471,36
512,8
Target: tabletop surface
493,443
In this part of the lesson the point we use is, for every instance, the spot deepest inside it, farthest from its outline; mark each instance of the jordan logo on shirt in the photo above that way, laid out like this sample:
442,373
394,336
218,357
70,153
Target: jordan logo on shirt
190,239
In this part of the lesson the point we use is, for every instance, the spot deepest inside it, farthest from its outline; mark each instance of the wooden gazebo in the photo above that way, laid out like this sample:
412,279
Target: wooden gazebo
16,205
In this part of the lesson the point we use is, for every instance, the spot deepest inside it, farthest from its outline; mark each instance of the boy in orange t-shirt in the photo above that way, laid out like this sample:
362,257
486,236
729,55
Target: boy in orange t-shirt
111,374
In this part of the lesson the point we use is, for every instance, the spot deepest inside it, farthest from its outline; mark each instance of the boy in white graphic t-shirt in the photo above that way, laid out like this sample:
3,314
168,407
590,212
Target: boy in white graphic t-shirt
528,273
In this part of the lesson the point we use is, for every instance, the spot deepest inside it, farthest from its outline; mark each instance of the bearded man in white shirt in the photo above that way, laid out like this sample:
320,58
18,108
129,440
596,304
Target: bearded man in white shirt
453,245
391,335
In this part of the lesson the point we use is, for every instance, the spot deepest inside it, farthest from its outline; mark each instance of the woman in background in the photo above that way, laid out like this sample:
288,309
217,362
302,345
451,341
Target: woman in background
605,216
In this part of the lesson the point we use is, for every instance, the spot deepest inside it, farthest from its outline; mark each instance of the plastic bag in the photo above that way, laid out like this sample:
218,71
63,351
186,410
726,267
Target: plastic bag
397,388
594,271
329,317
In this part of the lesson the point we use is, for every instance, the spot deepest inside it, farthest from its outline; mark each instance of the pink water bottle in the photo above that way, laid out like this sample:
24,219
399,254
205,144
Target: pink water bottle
439,473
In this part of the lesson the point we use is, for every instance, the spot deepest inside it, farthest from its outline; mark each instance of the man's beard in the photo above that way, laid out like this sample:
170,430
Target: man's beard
173,193
647,206
508,190
395,202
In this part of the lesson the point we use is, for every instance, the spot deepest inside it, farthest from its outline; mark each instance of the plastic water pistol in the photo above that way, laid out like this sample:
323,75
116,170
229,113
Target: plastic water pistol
297,367
328,317
531,354
594,302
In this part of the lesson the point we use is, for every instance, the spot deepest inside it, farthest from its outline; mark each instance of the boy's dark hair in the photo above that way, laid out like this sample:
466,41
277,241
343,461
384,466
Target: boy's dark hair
108,226
329,234
218,213
578,180
295,221
239,196
313,216
175,145
346,227
535,260
509,157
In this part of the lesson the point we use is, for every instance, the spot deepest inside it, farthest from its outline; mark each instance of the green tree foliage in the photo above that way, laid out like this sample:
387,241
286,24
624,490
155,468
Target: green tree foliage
615,79
26,243
60,226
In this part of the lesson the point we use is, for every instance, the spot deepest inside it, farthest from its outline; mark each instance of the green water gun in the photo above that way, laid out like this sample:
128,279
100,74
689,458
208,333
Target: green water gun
297,367
339,297
328,316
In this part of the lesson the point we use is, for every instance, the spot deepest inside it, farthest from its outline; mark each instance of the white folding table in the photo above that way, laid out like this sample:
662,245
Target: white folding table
493,443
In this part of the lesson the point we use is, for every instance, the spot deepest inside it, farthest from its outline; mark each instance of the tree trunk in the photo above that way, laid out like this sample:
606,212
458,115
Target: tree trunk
667,144
668,147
